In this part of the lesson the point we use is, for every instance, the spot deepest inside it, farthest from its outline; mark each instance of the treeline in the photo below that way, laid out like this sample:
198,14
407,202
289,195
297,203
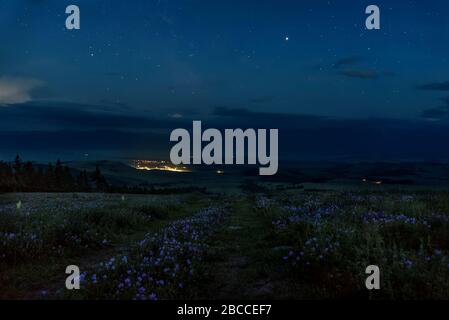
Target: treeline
25,177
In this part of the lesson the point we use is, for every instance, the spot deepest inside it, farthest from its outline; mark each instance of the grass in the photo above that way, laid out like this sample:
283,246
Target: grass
36,246
278,245
330,239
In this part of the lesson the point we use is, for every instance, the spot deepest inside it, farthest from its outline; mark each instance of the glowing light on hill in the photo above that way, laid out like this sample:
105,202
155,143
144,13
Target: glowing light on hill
156,165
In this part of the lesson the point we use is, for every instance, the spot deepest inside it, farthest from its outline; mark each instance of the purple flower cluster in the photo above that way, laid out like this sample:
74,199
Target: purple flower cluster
435,257
384,219
303,214
17,246
14,245
442,218
263,203
314,251
161,265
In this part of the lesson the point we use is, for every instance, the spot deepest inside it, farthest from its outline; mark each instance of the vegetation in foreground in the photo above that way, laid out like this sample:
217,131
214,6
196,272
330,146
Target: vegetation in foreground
295,245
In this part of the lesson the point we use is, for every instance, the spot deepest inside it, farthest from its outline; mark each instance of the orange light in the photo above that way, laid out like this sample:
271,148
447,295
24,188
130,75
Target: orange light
154,165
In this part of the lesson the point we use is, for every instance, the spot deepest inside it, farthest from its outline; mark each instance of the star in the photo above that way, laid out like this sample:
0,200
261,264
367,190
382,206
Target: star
287,38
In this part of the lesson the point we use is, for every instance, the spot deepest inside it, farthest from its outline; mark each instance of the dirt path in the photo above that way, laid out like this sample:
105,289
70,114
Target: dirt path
239,268
47,278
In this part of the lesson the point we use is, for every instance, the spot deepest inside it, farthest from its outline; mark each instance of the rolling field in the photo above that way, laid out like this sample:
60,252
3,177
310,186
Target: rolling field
292,244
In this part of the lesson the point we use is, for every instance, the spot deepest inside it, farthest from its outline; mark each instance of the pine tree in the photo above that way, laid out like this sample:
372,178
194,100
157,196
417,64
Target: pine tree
99,180
58,176
82,182
39,180
49,178
67,180
28,177
17,165
8,181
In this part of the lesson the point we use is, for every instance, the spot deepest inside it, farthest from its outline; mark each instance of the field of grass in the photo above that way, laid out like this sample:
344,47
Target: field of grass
294,244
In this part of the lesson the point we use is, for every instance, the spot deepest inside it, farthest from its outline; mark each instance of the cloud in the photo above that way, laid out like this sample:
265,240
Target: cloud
435,86
343,66
241,117
337,139
114,103
263,99
346,61
176,115
76,116
437,113
360,73
17,90
245,113
445,100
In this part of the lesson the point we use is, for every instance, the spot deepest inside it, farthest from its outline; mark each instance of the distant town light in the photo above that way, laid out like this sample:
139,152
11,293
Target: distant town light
158,165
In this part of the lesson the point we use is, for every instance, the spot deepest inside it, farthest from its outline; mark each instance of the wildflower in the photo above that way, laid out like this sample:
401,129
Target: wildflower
152,296
408,262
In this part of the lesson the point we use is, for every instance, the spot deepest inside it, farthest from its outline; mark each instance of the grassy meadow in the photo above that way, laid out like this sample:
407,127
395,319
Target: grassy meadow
289,244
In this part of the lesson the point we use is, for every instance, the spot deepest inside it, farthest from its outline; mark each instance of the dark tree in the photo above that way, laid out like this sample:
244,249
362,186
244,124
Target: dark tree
28,177
82,182
58,176
8,181
49,178
67,179
17,165
20,177
99,180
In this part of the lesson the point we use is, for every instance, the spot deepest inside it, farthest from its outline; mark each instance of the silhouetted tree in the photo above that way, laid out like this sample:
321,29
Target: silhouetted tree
99,180
39,180
67,180
49,178
58,176
26,177
17,165
82,182
8,181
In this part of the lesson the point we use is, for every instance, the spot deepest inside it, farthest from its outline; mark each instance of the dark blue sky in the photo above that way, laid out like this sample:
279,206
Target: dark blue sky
140,68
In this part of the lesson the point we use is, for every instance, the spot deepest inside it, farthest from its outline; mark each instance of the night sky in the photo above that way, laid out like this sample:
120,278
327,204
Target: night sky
138,69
